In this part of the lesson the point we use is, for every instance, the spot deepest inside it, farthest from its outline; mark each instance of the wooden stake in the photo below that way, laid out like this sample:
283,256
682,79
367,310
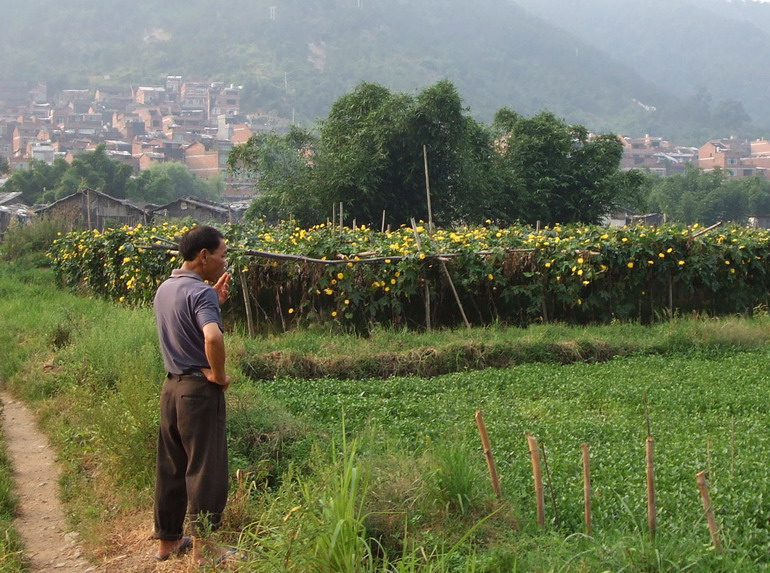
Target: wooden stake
487,447
382,228
651,506
700,477
550,483
586,486
537,474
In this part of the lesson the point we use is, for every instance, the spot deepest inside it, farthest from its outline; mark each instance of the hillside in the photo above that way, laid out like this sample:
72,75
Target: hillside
295,58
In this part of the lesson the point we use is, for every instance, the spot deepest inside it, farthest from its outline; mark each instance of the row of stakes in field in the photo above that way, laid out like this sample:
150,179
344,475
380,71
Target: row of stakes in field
537,473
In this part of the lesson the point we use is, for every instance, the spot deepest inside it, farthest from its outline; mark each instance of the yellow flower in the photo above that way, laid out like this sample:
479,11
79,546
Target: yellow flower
727,262
670,249
387,261
580,301
580,260
681,263
650,262
340,276
392,281
548,265
490,276
334,313
347,301
291,311
630,264
586,283
732,271
580,272
387,289
328,291
422,256
661,255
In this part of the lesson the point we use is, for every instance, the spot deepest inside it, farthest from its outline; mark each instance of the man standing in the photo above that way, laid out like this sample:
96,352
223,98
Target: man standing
191,469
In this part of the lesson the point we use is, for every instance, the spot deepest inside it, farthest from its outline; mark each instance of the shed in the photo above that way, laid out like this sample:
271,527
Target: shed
90,209
201,210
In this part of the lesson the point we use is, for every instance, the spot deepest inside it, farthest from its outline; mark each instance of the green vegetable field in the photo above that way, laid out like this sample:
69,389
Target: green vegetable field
707,411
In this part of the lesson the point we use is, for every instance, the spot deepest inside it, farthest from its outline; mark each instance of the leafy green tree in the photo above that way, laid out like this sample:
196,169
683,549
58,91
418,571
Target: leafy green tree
555,172
95,170
162,183
282,167
4,166
372,154
36,180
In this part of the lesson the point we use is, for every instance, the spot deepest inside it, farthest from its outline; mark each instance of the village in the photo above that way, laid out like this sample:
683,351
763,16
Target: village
197,123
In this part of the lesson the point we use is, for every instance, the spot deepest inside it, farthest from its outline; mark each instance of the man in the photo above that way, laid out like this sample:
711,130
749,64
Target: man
191,468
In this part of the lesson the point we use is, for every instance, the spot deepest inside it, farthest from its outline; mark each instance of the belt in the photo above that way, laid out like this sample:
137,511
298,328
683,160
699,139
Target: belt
193,372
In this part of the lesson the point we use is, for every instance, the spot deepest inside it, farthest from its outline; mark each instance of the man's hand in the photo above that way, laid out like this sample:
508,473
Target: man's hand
222,286
209,374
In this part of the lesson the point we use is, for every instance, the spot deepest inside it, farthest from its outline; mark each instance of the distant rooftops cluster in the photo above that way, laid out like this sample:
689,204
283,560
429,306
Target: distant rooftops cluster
196,123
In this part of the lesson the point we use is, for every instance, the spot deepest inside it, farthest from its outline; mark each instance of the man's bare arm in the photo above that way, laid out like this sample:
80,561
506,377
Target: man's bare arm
215,354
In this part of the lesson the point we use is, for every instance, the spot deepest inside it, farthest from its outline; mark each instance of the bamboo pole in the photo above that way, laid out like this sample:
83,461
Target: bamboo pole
700,477
427,187
537,475
371,260
425,286
651,505
487,447
246,303
382,227
457,296
586,486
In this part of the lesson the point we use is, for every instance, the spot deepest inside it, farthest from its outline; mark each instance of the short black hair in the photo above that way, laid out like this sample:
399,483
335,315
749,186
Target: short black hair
197,239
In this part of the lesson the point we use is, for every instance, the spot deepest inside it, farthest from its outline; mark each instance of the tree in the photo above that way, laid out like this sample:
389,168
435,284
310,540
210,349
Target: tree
371,155
4,166
557,173
165,182
281,165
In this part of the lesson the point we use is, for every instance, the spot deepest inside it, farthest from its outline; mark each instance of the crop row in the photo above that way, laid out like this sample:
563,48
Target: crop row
414,276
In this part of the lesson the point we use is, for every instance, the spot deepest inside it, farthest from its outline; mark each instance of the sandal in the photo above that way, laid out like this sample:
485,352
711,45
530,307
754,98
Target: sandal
181,549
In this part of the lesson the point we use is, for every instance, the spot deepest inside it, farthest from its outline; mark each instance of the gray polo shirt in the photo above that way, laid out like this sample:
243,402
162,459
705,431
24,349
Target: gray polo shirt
184,304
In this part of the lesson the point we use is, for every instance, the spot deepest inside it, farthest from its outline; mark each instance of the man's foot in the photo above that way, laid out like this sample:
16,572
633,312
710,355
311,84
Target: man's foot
176,548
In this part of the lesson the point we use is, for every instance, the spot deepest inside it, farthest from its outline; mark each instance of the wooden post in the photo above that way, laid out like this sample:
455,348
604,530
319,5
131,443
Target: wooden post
537,475
651,509
586,486
427,187
700,477
382,228
487,447
342,219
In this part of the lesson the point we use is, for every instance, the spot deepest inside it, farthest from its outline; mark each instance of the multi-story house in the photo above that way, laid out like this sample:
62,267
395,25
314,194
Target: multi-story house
733,156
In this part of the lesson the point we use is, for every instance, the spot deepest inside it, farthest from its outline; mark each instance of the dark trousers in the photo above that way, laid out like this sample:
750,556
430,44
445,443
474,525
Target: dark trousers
191,469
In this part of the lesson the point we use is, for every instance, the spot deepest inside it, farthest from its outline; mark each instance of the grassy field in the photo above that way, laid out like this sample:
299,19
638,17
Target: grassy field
387,474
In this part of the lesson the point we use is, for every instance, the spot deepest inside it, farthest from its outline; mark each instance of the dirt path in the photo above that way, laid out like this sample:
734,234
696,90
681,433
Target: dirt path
50,545
48,541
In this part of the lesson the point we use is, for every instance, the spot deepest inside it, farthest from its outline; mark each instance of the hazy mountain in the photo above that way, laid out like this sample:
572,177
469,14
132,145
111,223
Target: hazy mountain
656,66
